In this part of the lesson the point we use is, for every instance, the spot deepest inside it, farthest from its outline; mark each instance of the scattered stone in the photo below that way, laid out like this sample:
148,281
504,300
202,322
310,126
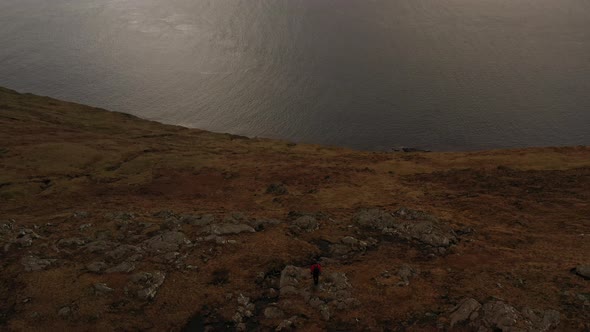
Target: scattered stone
122,251
85,226
199,220
225,229
24,241
96,267
33,263
99,246
166,242
81,214
71,242
304,224
101,288
405,273
273,312
277,189
325,312
583,271
260,224
374,218
147,284
466,308
288,324
124,267
64,312
120,216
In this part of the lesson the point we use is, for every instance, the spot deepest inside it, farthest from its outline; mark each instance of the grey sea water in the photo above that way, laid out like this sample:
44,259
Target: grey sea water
368,74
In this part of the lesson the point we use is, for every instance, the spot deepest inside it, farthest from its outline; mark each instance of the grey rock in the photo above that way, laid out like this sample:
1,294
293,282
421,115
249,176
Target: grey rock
349,240
148,284
325,312
316,302
374,218
289,278
288,324
464,310
120,216
277,189
305,223
405,273
64,312
85,226
166,242
99,246
33,263
583,271
101,288
24,241
124,267
96,267
198,220
122,251
226,229
71,242
81,214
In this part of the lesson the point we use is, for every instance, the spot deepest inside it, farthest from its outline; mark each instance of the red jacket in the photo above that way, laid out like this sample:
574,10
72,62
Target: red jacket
315,266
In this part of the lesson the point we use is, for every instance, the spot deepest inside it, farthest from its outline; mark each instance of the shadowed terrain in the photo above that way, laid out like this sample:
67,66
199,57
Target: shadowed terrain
111,222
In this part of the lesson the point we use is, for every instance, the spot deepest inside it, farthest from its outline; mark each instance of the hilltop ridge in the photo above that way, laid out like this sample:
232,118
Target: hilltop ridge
112,222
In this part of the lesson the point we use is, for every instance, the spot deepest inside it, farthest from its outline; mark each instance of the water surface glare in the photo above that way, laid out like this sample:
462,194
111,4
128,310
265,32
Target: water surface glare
368,74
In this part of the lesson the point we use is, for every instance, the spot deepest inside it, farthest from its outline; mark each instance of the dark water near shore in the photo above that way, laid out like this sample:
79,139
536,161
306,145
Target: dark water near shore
438,74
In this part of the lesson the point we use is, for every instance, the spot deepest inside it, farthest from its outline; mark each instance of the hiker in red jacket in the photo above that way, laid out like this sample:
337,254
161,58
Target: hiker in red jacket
316,270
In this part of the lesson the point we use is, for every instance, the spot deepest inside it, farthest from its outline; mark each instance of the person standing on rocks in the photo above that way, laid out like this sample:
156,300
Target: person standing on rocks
316,270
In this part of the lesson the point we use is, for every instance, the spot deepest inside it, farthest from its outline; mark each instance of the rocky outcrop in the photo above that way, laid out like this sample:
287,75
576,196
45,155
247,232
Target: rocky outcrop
496,315
411,225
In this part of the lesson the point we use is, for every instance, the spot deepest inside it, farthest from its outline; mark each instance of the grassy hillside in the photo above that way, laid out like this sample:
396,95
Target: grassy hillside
220,215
